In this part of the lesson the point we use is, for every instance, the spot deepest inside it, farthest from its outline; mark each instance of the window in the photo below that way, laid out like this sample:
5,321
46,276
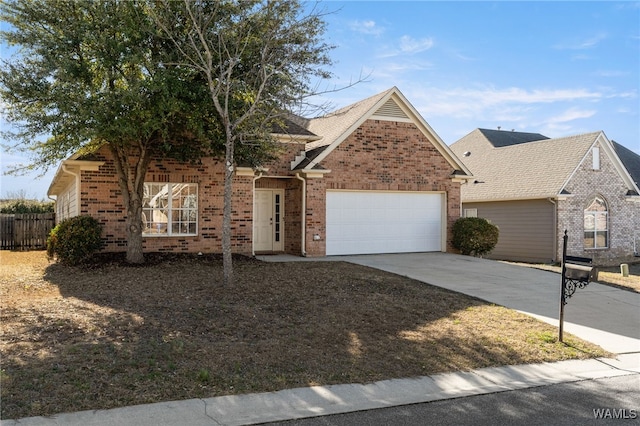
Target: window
470,213
596,232
170,209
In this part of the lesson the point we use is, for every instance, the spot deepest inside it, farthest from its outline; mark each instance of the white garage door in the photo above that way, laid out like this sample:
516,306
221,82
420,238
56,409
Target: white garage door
383,222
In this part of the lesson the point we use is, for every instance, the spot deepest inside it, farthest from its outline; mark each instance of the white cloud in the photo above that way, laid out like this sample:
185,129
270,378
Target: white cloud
410,45
490,96
572,114
407,45
586,43
366,27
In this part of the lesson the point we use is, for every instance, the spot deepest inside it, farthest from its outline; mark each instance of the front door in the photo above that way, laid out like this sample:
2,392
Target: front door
268,229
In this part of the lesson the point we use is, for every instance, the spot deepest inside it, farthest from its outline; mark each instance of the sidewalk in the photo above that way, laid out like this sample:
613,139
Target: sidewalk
335,399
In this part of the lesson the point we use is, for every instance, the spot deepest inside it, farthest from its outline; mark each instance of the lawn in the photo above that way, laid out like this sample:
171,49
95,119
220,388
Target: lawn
110,335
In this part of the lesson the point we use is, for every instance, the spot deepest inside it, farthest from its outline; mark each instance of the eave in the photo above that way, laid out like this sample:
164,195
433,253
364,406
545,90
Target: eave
68,171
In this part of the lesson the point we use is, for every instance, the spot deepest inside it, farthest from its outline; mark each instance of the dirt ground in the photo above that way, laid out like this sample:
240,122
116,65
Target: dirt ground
107,335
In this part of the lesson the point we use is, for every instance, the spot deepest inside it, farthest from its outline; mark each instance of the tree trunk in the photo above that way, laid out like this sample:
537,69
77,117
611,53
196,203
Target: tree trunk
134,231
132,187
227,259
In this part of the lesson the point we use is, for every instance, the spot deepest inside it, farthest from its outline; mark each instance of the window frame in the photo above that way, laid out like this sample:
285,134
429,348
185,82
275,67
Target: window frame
168,227
597,217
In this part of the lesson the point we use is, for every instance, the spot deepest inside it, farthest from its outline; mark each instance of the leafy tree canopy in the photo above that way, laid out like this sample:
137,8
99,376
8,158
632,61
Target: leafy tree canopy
157,78
93,72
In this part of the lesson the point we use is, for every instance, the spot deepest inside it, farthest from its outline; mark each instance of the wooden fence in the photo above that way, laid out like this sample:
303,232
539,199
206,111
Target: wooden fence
27,231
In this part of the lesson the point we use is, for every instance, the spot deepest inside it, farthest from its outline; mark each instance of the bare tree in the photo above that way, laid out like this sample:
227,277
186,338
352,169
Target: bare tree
259,59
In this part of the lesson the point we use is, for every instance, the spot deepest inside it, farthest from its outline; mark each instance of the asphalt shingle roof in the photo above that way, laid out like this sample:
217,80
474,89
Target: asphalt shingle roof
631,161
537,169
500,138
335,124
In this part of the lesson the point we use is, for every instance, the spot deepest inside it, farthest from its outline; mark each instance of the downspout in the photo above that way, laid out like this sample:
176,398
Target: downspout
555,229
77,176
303,215
253,227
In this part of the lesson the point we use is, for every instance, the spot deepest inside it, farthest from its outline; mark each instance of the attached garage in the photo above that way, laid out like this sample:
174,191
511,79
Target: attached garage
368,222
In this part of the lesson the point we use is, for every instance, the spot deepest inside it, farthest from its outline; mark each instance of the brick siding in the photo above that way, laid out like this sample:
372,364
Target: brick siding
102,199
379,155
382,156
624,215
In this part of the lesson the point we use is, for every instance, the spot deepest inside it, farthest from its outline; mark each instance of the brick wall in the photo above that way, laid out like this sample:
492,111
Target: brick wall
624,216
384,156
380,155
102,199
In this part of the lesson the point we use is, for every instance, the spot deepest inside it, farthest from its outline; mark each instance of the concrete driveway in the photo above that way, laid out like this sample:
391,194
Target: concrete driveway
601,314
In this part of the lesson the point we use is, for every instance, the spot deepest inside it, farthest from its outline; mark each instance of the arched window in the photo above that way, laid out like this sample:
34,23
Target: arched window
596,228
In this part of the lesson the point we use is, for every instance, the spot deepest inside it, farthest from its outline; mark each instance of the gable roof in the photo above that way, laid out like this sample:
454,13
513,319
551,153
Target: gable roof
531,170
631,161
389,105
500,138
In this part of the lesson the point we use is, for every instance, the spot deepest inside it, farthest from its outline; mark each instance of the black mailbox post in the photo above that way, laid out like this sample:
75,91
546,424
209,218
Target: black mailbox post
577,272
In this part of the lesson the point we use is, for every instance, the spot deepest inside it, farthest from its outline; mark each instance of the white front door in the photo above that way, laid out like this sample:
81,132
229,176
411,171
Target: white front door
268,220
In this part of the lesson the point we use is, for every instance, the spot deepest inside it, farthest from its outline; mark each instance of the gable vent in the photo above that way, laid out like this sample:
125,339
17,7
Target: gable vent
391,109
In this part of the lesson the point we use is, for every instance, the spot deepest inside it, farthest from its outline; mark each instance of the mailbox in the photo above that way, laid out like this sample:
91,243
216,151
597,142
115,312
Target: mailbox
580,269
581,273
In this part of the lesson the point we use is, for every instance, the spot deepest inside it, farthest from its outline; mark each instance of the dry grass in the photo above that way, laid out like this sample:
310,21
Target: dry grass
111,335
606,275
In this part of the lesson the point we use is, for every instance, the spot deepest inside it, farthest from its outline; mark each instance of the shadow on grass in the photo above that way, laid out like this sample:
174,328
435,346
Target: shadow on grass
129,335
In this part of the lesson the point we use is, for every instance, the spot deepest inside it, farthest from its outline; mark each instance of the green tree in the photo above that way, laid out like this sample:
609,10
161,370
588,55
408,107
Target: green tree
90,73
258,59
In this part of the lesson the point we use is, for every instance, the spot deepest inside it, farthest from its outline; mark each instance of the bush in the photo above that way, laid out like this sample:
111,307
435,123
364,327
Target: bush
26,206
474,235
74,240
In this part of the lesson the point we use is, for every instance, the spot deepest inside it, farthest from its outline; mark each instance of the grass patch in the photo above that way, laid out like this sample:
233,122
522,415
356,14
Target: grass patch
109,335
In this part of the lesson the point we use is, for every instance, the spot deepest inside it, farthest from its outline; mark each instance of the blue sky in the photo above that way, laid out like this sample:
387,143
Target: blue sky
556,68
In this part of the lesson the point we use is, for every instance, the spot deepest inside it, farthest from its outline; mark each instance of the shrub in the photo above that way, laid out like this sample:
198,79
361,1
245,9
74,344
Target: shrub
26,206
74,240
474,235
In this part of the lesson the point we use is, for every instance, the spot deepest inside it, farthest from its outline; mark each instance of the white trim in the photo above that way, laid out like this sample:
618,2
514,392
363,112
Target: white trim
71,168
244,171
609,150
415,118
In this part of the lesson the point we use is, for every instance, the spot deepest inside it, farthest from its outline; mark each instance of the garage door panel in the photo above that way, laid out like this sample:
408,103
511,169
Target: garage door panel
383,222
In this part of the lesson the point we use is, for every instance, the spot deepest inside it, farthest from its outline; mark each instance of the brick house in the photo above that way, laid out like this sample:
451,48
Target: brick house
534,188
372,177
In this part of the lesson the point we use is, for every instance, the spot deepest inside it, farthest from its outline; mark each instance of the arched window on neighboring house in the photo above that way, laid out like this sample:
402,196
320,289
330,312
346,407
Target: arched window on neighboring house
596,224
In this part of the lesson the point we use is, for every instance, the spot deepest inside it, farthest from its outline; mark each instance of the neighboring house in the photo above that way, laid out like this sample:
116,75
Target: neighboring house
372,177
534,188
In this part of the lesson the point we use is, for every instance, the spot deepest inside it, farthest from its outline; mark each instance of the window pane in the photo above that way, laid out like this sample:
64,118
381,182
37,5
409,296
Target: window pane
597,205
589,239
589,221
601,239
601,221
